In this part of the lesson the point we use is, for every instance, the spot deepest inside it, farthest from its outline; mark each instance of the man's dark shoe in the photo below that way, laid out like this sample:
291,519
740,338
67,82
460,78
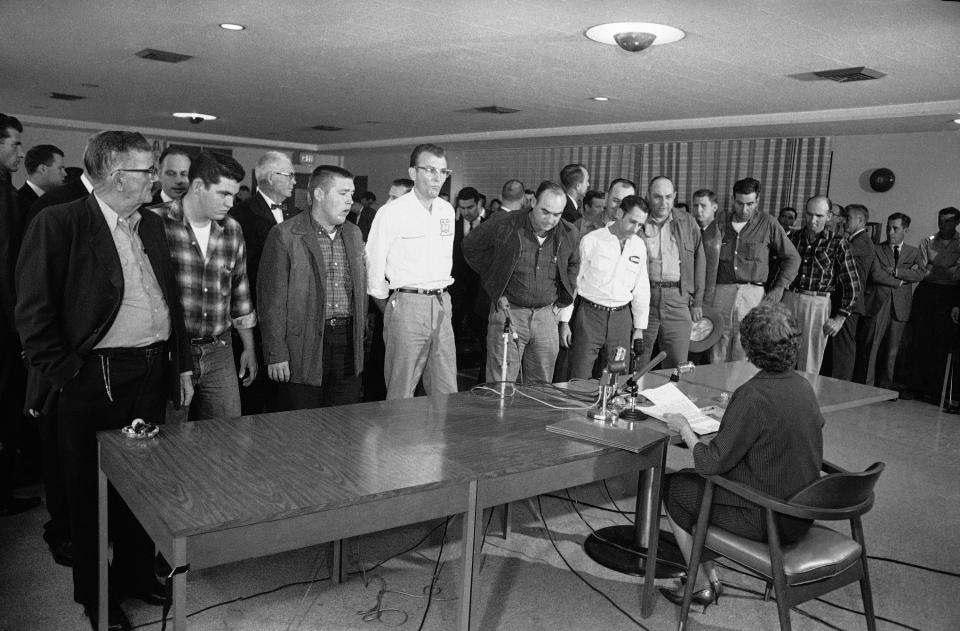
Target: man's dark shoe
17,505
116,619
62,551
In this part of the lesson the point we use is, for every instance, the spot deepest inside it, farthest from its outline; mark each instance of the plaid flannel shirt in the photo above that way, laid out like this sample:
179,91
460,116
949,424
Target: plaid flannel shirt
215,292
825,265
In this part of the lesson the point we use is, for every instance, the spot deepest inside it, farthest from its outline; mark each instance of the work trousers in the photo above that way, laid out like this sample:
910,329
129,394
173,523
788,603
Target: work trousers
111,389
844,346
340,384
419,341
535,349
670,324
216,391
733,302
877,356
595,329
811,313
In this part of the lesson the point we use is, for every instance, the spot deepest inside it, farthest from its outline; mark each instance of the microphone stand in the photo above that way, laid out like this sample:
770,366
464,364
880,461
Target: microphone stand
505,338
631,414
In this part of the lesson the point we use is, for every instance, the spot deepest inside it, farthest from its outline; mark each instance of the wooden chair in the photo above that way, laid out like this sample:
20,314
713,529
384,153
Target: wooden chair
821,561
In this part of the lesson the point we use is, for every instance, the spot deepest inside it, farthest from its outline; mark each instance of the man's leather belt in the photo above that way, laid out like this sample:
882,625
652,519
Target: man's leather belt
132,351
744,282
807,292
213,339
666,284
415,290
594,305
339,323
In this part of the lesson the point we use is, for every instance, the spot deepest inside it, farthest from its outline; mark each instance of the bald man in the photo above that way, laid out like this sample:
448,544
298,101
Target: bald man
826,265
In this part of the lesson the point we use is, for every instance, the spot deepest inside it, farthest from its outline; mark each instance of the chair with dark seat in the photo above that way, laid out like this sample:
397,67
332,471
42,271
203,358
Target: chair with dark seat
819,562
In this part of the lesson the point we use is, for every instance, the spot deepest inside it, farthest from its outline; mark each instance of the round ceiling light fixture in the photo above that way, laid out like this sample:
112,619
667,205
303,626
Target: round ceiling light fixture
634,36
600,98
195,117
227,26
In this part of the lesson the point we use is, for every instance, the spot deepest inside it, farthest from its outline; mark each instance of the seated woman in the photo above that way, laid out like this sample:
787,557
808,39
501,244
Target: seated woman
770,438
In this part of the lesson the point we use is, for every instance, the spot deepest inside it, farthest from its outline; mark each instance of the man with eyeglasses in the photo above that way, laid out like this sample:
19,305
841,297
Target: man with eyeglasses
98,311
174,172
256,216
409,260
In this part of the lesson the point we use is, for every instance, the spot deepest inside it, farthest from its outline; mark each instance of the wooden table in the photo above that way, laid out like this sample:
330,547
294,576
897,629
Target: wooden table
218,491
832,394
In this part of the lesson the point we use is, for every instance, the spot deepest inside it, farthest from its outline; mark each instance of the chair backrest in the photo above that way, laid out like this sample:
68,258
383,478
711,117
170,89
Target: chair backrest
846,492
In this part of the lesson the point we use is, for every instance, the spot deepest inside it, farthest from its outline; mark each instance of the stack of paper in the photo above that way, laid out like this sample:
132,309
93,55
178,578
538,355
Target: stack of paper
668,399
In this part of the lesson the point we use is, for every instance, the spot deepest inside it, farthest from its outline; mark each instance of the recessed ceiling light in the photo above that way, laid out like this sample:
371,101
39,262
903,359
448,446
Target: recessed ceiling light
194,115
227,26
608,33
957,121
599,98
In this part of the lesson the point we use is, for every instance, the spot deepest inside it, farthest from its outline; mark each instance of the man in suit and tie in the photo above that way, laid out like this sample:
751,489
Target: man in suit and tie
98,311
844,343
313,299
888,300
466,282
44,164
576,182
265,209
174,175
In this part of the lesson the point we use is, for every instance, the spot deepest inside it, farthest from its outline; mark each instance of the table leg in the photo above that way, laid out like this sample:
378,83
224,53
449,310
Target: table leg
336,562
505,520
651,532
472,540
103,568
180,586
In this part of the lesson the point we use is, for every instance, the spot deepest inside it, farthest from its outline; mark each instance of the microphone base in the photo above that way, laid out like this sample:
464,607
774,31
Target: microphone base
632,415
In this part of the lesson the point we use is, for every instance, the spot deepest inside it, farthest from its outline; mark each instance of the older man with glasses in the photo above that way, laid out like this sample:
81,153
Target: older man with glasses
257,215
98,311
409,262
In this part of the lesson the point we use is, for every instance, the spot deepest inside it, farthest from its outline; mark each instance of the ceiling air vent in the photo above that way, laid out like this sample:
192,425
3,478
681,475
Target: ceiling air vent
495,109
162,55
66,97
846,75
326,128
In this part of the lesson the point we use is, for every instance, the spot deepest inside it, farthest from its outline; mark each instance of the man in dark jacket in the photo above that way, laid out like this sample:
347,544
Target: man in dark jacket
528,263
99,315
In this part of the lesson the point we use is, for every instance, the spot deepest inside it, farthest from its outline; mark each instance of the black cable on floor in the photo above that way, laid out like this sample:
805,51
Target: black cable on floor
595,506
914,565
546,529
306,582
436,573
613,501
861,613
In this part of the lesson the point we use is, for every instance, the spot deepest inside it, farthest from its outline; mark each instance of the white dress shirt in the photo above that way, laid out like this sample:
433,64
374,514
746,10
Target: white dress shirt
410,246
611,277
276,212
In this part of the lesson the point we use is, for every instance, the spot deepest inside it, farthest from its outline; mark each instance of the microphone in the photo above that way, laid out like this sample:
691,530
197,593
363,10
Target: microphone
653,364
618,363
504,305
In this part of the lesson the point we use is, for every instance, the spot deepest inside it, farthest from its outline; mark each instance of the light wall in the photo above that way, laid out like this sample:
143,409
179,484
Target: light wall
926,167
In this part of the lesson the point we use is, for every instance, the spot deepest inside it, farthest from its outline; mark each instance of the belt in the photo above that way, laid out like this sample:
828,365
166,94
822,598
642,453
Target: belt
744,282
594,305
213,339
339,323
417,290
805,292
665,283
133,351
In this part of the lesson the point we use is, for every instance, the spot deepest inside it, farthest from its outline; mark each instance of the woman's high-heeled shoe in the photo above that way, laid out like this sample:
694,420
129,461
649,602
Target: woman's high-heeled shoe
704,597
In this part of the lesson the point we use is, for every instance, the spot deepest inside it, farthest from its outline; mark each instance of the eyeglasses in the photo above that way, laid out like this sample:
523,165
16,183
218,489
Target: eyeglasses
152,171
433,172
289,176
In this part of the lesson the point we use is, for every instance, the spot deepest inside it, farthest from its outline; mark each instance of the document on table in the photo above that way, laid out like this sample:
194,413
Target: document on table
668,398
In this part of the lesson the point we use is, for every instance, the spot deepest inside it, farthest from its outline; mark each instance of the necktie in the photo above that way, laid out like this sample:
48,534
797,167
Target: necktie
896,254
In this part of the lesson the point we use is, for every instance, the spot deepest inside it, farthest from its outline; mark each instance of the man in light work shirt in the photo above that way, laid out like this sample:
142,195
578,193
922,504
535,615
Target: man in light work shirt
677,267
825,266
749,238
209,258
613,289
312,269
409,258
528,261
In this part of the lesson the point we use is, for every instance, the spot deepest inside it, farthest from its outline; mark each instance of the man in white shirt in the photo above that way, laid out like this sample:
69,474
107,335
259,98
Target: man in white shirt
613,289
409,258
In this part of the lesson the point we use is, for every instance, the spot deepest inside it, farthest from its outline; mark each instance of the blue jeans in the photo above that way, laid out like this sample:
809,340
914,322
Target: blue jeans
216,391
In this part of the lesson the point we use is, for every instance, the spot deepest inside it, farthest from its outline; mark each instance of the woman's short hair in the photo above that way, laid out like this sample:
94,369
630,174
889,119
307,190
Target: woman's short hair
770,337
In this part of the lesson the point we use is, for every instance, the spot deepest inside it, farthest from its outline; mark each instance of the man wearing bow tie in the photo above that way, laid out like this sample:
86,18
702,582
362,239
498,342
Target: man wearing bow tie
265,209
